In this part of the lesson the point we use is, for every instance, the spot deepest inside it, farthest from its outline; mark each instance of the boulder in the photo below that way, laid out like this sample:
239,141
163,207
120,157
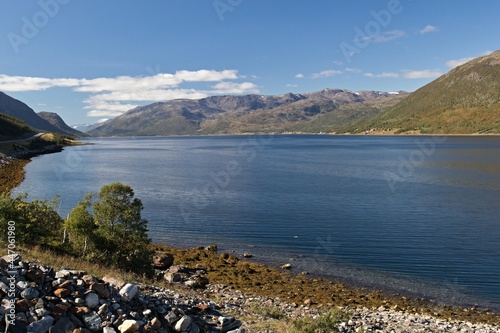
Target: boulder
108,330
163,261
92,321
173,277
92,300
128,292
62,292
100,289
183,324
40,326
29,293
129,326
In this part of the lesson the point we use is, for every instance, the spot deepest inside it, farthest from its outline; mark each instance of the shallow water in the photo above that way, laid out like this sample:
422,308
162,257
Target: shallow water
418,215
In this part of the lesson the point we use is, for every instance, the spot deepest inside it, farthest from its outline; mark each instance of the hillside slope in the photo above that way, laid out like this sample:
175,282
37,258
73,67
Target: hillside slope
15,108
466,100
56,120
13,128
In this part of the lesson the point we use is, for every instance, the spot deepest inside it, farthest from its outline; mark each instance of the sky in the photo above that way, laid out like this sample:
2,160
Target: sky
91,60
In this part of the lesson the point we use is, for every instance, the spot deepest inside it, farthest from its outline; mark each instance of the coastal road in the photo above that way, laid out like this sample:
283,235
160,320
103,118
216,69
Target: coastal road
27,139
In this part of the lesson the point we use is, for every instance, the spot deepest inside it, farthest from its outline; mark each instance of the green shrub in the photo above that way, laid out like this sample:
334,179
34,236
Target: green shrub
36,222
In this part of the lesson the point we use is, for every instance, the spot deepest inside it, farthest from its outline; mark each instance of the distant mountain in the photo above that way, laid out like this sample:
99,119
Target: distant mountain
84,128
250,113
17,109
12,128
56,120
465,100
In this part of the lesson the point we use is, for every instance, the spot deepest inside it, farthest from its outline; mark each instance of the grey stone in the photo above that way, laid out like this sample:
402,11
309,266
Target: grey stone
79,301
29,293
63,325
108,330
40,326
173,277
42,312
4,287
22,284
128,292
171,318
62,273
92,300
92,321
183,324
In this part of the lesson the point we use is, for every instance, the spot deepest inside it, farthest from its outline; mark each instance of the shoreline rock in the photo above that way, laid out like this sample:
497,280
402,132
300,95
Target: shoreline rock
96,305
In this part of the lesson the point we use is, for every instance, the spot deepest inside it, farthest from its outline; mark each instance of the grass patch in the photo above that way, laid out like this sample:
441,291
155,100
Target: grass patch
326,323
267,310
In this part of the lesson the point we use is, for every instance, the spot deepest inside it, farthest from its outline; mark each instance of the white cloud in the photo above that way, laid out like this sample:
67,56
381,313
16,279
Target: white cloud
428,29
422,74
289,85
385,36
353,70
325,74
299,76
382,75
457,62
26,83
110,97
235,88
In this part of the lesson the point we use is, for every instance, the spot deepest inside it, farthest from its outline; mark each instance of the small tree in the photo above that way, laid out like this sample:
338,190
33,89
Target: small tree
80,226
115,230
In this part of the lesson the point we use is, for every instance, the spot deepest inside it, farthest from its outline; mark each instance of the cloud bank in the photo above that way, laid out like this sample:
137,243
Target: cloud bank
110,97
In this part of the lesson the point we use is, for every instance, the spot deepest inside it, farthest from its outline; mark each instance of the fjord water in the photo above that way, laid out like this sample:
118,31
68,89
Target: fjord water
416,215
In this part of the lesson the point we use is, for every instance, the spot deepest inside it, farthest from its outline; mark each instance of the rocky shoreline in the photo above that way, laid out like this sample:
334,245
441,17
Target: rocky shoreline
69,300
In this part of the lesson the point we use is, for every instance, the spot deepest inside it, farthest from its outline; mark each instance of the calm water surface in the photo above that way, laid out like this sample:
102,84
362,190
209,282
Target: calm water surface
417,215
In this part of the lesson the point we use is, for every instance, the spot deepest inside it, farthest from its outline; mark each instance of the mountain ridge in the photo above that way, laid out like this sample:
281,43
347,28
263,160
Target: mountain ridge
229,114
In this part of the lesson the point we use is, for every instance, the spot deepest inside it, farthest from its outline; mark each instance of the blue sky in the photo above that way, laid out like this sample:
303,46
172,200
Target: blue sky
92,60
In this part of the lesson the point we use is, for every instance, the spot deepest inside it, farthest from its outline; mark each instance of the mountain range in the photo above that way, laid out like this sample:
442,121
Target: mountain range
325,110
466,100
